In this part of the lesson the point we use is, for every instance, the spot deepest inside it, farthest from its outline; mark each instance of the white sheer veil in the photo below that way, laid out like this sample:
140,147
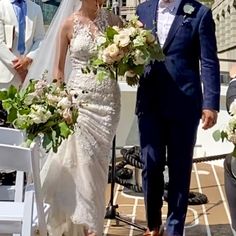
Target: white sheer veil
45,57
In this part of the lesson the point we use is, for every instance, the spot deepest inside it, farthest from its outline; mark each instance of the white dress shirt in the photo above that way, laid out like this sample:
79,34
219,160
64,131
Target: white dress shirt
165,16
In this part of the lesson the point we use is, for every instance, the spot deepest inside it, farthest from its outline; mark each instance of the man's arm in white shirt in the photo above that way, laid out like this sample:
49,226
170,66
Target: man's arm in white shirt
6,56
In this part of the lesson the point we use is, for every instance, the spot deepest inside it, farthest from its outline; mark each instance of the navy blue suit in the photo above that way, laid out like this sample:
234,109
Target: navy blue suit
169,106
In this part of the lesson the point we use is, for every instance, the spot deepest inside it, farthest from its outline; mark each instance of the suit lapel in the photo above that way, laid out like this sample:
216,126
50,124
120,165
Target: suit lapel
12,14
29,20
152,18
178,20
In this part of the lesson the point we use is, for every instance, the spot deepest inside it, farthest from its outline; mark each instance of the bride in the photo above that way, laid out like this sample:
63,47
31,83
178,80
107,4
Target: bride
75,178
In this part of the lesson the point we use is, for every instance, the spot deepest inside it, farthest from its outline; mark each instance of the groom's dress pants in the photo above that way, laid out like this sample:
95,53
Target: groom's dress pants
165,139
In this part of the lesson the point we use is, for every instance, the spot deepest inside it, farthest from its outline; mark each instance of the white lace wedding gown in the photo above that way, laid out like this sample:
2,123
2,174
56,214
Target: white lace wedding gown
74,179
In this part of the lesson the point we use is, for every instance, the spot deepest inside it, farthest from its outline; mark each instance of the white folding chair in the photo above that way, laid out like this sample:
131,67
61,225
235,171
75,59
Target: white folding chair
7,192
19,217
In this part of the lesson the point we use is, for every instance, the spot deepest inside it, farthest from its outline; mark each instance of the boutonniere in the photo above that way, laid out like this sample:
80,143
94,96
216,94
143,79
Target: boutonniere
188,9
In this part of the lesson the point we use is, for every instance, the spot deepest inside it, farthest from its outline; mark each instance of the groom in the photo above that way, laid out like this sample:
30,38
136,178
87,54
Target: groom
170,104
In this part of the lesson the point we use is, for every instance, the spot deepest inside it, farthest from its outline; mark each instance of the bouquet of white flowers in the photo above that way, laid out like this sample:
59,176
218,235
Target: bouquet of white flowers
125,52
41,109
229,132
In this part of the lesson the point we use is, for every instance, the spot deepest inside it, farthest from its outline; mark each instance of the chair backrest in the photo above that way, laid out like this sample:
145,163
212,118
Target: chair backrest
14,137
27,160
15,158
11,136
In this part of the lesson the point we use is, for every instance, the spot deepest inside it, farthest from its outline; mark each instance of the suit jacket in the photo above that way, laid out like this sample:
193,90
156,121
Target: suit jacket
176,83
33,36
231,93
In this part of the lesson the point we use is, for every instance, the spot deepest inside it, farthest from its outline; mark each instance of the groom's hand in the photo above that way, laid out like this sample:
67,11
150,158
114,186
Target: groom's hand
21,64
209,118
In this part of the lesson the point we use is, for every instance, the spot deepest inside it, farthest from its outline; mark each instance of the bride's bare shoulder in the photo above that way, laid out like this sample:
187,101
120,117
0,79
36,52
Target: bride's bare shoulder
67,26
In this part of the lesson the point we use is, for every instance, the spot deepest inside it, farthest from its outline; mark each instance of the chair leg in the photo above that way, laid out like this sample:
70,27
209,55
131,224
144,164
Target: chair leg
28,214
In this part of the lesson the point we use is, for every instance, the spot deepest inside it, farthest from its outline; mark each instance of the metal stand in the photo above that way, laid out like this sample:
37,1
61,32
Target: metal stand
111,210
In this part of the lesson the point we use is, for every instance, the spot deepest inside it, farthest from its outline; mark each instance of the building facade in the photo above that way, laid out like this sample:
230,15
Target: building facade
224,14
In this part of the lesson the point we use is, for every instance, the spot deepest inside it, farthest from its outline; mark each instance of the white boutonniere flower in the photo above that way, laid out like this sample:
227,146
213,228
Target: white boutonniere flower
188,9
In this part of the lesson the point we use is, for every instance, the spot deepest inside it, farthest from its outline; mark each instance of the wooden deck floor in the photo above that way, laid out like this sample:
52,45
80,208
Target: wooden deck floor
211,219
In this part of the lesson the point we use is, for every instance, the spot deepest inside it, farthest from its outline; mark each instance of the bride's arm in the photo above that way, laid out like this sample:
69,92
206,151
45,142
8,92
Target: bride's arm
62,47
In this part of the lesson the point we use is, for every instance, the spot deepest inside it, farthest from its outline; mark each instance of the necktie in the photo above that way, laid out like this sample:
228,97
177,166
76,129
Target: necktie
20,9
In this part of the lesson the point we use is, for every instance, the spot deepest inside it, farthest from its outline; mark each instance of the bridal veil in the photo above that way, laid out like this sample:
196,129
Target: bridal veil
45,59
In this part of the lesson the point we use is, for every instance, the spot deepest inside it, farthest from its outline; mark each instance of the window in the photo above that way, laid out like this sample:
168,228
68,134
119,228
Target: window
123,3
48,9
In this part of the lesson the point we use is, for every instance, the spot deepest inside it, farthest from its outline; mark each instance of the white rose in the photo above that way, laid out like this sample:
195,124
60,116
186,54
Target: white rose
64,103
122,39
101,40
36,119
139,57
130,74
52,100
106,58
39,114
121,55
132,31
112,50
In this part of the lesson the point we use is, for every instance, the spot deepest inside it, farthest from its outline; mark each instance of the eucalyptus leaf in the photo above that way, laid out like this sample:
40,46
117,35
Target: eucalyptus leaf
110,33
97,62
217,135
65,131
101,75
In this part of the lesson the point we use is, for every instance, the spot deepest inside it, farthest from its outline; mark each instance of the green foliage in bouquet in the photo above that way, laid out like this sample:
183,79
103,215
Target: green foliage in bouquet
125,52
42,110
229,131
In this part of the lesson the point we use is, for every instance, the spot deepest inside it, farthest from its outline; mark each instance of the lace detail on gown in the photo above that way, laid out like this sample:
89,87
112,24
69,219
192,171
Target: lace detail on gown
74,180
